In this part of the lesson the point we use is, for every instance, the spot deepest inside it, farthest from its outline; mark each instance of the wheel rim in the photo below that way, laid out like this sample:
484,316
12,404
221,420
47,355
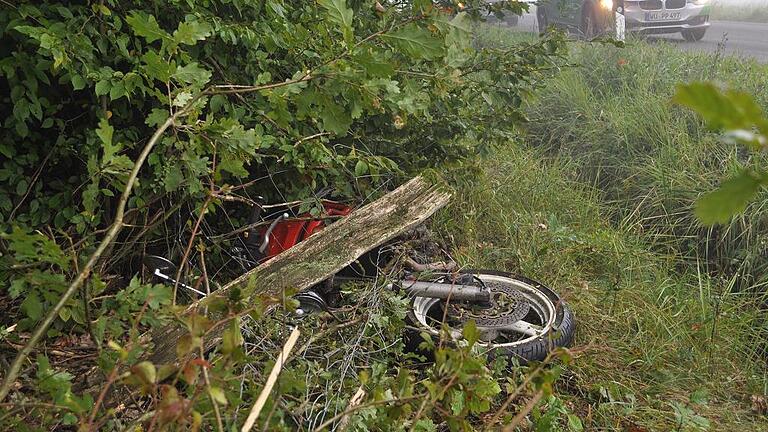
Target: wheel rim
538,321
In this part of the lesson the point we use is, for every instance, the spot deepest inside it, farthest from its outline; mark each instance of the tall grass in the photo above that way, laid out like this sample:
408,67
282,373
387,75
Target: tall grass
658,334
613,118
596,201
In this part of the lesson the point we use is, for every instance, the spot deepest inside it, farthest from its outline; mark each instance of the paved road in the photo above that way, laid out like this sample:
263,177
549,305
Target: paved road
738,38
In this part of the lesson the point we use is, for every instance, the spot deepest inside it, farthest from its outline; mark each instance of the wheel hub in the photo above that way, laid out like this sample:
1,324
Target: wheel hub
508,306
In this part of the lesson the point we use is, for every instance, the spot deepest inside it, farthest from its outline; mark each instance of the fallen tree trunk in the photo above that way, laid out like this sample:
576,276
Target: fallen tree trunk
318,257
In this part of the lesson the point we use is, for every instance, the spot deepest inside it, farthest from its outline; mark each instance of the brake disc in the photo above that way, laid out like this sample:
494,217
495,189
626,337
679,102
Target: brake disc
508,306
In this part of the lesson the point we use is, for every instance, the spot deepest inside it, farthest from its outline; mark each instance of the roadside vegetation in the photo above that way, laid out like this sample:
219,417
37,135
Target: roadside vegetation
576,171
596,198
747,11
133,128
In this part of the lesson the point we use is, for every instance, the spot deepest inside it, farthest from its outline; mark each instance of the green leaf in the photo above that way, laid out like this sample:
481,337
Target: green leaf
78,82
699,397
189,33
102,87
158,68
374,66
341,15
146,26
335,119
218,395
730,109
21,187
117,91
361,168
461,22
32,307
192,74
186,344
424,425
157,117
470,332
159,295
64,12
457,402
416,41
574,423
174,177
232,337
182,99
16,288
233,166
90,197
105,131
730,198
145,371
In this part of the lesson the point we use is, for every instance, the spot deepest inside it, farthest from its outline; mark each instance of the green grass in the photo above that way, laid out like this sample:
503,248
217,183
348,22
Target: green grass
727,11
596,201
613,117
650,326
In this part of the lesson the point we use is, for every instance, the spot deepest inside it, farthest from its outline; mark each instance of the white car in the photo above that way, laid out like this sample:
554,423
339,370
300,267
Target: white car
595,17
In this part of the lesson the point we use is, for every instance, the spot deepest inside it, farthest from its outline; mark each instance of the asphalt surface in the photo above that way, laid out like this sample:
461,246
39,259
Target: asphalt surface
735,38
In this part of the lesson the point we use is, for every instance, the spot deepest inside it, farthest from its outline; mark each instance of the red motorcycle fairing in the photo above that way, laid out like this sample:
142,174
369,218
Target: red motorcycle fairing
289,232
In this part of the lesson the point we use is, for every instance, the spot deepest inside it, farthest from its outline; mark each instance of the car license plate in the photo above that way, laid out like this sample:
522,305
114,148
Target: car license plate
663,16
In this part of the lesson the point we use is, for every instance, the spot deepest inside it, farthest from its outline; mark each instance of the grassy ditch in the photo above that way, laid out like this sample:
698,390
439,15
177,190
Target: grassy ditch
650,160
668,349
596,201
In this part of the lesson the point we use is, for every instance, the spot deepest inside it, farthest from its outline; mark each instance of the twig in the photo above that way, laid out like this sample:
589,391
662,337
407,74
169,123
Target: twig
32,183
524,412
310,137
355,401
271,380
432,400
366,405
207,381
234,89
135,425
182,264
114,374
324,333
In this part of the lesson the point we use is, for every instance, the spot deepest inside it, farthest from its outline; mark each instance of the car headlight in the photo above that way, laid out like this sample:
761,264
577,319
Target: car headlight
606,4
698,2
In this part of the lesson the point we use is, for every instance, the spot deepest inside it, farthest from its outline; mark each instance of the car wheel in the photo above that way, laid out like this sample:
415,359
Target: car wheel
542,20
694,35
